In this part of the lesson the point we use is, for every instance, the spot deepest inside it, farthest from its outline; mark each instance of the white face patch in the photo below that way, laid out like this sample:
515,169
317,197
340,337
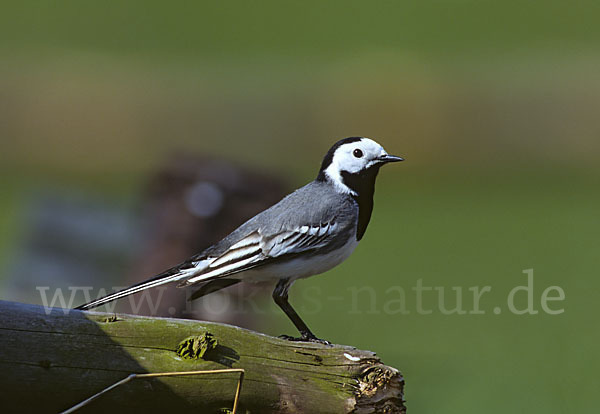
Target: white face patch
353,157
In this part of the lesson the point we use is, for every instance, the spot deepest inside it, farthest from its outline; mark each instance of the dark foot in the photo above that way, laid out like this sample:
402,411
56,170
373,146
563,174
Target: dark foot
305,338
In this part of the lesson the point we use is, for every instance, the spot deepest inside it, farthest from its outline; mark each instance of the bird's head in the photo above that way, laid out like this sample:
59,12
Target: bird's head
352,159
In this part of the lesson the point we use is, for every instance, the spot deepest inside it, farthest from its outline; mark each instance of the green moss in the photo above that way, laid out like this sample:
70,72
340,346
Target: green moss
196,347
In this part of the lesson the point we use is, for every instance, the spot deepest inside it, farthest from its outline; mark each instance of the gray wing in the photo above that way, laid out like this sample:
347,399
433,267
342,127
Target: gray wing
258,249
322,222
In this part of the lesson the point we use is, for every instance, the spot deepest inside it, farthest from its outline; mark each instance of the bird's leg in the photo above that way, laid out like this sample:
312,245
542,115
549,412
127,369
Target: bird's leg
280,296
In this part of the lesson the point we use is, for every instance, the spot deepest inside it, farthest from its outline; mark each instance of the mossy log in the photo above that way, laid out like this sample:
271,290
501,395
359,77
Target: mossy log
52,359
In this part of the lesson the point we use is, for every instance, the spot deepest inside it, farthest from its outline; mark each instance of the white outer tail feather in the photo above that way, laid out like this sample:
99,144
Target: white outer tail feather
130,291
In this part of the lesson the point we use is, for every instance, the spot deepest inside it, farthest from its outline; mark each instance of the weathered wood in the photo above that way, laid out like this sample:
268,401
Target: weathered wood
51,361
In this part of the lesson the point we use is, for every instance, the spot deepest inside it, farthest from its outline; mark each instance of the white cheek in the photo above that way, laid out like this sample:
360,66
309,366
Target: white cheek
358,165
350,164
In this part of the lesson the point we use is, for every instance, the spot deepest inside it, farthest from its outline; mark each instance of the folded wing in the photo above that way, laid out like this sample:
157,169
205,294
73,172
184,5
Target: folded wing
257,249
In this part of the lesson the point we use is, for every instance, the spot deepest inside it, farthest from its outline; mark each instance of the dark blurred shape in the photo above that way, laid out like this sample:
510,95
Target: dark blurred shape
189,204
72,239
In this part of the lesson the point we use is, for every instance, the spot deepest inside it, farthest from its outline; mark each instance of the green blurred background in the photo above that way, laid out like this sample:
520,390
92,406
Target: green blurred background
494,104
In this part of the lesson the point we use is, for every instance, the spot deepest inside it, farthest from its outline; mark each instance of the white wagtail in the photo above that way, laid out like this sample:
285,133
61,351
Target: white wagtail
308,232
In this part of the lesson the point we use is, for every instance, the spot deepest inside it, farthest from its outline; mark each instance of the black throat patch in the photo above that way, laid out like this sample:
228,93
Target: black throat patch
363,184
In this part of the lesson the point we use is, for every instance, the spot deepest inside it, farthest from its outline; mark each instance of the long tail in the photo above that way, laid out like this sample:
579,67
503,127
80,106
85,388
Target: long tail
161,279
199,269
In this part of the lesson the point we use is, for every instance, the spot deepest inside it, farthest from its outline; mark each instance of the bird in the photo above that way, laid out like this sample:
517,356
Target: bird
308,232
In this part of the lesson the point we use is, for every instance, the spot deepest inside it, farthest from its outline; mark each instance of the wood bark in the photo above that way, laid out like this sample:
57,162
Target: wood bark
52,359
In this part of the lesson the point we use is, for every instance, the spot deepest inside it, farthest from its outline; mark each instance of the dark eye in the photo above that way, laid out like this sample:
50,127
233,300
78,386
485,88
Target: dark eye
357,153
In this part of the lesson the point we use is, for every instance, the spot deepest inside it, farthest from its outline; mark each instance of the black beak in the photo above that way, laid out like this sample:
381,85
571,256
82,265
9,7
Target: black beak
384,159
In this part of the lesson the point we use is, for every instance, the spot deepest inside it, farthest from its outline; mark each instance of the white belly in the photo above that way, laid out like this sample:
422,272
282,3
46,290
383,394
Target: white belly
300,267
